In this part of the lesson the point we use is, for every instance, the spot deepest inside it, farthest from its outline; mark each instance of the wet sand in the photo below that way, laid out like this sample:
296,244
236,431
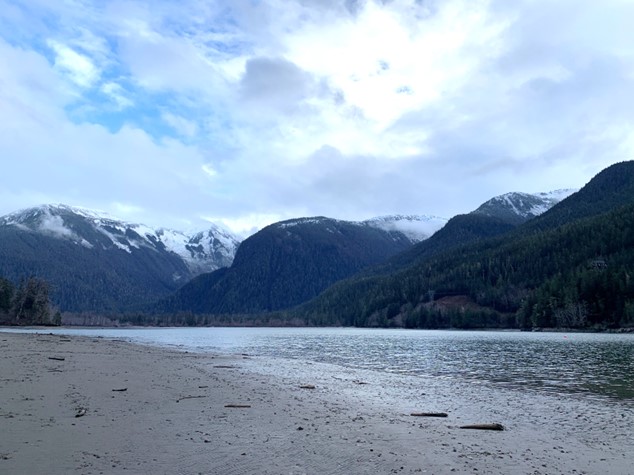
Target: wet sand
150,410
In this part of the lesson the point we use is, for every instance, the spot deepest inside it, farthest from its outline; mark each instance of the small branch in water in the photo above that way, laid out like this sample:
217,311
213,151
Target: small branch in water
120,390
307,386
238,406
56,358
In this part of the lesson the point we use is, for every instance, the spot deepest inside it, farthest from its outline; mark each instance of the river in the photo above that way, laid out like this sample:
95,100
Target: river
591,366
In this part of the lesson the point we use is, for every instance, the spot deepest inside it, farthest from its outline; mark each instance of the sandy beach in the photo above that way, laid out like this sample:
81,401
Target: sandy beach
97,406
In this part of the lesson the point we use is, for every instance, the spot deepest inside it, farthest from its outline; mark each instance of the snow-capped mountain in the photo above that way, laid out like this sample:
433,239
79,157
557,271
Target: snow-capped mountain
516,208
416,227
288,263
94,262
203,251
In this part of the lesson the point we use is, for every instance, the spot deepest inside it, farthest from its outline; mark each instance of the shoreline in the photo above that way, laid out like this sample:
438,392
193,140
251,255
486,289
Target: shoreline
617,331
155,410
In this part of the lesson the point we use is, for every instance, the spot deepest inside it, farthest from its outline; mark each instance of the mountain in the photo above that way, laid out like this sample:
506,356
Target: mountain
494,217
569,267
239,291
97,263
288,263
460,230
517,208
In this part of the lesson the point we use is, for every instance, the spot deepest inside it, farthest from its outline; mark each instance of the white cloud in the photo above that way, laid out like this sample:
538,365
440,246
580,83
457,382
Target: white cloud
54,225
184,127
117,94
78,67
282,109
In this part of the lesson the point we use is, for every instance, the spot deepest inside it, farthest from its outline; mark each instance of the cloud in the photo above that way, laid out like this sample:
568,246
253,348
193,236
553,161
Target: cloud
117,94
254,111
54,225
79,67
184,127
276,83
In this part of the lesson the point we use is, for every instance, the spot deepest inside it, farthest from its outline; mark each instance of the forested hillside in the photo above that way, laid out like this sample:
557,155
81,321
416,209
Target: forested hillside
286,264
96,263
572,267
91,279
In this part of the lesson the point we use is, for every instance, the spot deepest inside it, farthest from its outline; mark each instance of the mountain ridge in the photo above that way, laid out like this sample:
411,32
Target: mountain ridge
198,253
570,266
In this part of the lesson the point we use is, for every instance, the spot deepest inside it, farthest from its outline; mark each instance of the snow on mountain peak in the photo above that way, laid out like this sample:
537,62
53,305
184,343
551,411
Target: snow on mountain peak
518,207
202,251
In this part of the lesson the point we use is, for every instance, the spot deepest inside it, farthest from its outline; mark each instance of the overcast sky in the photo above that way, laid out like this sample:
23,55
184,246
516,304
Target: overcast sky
249,112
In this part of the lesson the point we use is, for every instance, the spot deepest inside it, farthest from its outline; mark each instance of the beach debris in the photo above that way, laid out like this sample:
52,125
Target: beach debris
356,381
307,386
429,414
56,358
190,397
203,387
300,428
81,412
120,390
238,406
484,426
224,366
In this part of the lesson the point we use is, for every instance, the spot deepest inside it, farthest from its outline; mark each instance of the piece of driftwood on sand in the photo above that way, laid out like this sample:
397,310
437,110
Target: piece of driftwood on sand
190,397
484,426
429,414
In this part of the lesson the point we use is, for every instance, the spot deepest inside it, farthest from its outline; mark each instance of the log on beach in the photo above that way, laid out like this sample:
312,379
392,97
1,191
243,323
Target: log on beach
484,426
429,414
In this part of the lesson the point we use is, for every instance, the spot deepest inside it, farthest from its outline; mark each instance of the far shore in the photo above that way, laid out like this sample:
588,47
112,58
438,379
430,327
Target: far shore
509,330
86,405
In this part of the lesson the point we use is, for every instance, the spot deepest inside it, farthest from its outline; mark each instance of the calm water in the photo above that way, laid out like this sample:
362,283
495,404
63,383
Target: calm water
597,365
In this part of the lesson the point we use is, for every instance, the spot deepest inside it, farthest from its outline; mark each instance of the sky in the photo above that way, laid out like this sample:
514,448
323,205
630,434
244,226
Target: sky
248,112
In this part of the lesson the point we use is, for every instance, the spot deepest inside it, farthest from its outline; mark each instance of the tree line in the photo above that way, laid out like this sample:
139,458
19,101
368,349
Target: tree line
27,303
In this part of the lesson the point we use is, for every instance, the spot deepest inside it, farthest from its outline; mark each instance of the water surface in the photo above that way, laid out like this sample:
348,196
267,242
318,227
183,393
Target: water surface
593,365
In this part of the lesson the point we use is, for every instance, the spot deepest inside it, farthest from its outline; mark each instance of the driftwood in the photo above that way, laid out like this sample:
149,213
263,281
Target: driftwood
120,390
224,366
307,386
56,358
238,406
484,426
429,414
81,412
189,397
